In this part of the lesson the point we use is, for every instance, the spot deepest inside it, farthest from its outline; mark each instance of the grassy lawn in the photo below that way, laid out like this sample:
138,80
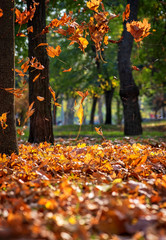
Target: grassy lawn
155,129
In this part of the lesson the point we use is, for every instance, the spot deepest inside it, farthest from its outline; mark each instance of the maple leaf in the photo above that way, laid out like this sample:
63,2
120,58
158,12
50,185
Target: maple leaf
83,95
3,120
67,70
25,66
126,13
16,92
99,131
1,12
52,52
24,17
30,112
138,29
93,5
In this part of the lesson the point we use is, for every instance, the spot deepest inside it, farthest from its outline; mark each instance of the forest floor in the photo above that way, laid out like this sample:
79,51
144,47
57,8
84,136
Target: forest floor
89,189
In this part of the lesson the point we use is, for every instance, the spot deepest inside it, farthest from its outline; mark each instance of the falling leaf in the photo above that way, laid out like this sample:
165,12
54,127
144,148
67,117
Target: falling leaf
53,93
52,52
20,73
126,13
40,98
83,95
42,44
3,120
106,40
135,68
99,131
67,70
139,29
30,29
80,114
35,78
1,12
94,5
83,43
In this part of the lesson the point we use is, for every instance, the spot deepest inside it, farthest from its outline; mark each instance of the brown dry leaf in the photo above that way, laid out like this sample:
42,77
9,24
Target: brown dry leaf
30,29
126,13
52,52
138,29
94,5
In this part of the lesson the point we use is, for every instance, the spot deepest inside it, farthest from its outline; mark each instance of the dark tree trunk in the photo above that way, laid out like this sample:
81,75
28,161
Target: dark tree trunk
8,141
41,128
118,111
129,92
93,110
108,102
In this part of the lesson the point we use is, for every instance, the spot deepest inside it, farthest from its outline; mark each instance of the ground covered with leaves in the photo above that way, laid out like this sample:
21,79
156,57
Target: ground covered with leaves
84,190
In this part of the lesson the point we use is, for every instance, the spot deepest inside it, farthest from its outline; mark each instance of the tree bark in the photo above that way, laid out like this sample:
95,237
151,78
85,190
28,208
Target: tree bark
108,102
93,110
8,141
41,128
129,92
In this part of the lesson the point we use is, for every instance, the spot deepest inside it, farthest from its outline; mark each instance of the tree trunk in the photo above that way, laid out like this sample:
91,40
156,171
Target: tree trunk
41,128
69,114
8,141
129,92
93,110
100,110
108,101
118,111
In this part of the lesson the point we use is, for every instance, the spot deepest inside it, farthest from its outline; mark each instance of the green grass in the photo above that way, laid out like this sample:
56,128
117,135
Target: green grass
155,129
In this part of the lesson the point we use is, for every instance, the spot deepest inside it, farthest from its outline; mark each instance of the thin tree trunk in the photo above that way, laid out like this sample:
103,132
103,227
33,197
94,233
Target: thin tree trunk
129,92
100,110
8,141
108,101
118,111
93,110
69,114
41,128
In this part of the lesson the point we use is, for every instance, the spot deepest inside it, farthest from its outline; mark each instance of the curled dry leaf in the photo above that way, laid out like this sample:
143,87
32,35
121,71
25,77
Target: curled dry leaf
40,98
35,78
94,5
138,29
126,13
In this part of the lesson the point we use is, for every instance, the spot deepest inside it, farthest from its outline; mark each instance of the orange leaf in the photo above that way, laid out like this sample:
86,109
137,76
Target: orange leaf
83,43
52,52
40,98
25,66
106,40
139,29
99,131
20,73
52,92
3,119
135,68
1,12
35,78
67,70
126,13
42,44
94,5
30,29
83,95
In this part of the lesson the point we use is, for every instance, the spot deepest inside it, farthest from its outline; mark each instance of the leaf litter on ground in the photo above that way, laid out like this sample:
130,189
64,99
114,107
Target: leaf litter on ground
84,190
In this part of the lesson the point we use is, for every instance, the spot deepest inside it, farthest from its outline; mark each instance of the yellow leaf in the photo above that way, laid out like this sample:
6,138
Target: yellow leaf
80,114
